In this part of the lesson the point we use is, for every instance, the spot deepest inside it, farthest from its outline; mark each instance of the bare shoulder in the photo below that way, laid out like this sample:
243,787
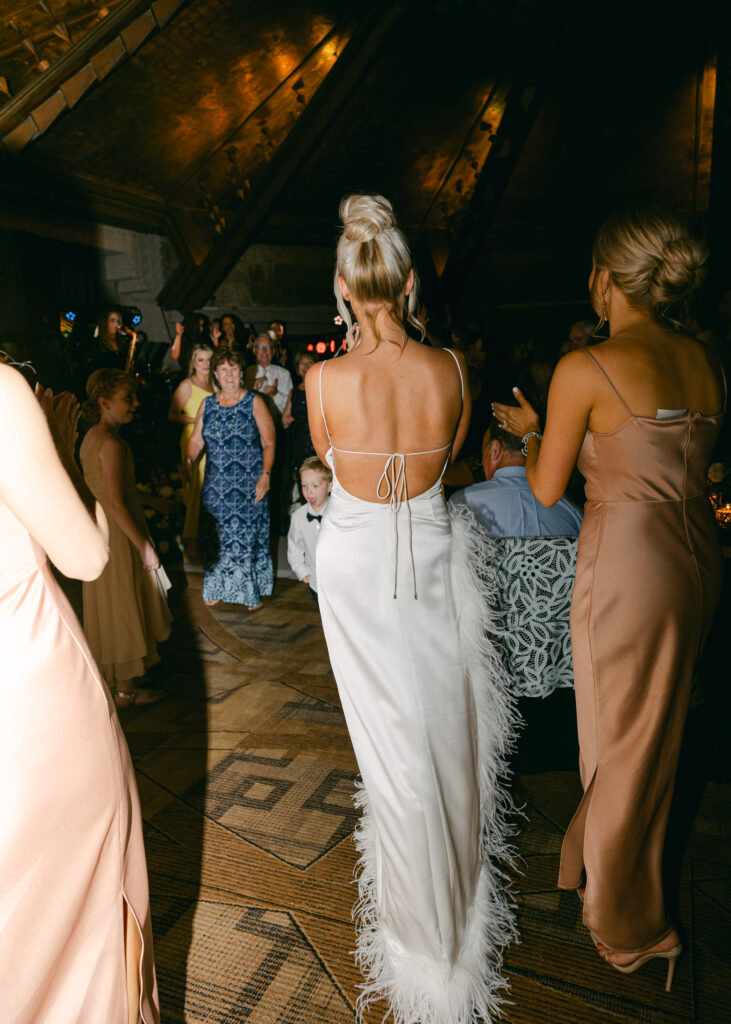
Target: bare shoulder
440,361
110,445
576,366
184,388
17,394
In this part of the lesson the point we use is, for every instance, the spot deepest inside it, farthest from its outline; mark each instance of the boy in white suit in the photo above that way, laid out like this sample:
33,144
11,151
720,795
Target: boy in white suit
304,526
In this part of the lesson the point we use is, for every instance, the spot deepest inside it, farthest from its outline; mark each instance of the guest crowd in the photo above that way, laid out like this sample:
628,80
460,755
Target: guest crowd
607,577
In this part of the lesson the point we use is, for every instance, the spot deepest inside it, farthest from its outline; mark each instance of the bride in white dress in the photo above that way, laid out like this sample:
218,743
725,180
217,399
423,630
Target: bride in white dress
404,597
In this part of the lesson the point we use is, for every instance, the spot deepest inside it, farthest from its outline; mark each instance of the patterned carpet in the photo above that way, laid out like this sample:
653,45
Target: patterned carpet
246,775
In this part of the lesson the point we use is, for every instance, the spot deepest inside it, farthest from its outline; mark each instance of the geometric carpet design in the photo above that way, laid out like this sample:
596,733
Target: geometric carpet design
294,809
246,777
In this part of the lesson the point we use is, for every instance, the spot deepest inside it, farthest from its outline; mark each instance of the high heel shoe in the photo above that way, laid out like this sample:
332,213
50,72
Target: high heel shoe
671,955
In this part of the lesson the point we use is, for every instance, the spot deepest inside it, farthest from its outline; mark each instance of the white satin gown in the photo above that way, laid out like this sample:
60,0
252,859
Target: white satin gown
404,594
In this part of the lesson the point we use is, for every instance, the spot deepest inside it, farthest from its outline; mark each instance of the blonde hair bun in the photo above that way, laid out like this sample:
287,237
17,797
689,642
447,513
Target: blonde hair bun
652,258
680,270
365,217
373,259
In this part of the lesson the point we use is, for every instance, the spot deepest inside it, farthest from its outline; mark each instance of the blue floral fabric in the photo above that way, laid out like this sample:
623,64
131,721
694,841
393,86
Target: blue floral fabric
233,531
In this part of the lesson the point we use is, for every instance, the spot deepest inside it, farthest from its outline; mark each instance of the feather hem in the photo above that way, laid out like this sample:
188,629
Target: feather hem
418,990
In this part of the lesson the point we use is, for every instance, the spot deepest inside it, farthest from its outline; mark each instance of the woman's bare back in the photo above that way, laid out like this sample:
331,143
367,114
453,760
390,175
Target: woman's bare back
384,401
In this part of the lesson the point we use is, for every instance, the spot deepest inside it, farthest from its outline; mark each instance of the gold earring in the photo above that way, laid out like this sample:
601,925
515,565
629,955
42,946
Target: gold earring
602,316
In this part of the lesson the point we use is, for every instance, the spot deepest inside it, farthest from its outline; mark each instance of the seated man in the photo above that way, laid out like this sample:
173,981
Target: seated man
504,503
535,559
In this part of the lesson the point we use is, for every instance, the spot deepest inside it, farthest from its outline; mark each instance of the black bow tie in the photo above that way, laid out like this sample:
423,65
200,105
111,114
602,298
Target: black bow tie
311,518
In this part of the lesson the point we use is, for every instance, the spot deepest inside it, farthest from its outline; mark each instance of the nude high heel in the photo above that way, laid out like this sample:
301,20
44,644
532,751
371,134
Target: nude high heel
671,955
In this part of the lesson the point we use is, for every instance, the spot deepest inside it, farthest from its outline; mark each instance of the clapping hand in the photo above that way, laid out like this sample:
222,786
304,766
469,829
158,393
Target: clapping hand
62,413
519,420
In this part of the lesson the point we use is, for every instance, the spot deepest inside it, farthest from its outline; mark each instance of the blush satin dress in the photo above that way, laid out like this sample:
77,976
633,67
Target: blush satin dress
75,935
405,595
648,577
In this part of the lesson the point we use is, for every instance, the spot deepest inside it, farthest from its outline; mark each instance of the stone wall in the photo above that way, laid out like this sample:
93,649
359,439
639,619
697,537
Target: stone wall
280,282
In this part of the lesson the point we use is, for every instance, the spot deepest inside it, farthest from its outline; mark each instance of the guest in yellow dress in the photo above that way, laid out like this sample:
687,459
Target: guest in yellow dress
184,407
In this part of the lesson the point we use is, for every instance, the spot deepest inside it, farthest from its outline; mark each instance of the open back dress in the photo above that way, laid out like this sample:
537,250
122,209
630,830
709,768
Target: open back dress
404,595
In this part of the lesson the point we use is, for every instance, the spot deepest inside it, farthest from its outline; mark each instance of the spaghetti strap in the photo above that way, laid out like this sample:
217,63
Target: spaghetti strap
459,368
322,407
608,378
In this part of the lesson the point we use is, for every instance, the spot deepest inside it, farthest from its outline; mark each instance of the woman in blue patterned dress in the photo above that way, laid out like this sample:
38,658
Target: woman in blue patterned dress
236,429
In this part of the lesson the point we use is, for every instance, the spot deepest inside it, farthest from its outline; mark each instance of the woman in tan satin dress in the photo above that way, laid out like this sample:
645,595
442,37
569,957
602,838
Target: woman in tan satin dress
643,411
75,937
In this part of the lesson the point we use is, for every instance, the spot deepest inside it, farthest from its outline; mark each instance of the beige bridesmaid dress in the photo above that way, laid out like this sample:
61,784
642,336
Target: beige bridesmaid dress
648,578
75,936
125,611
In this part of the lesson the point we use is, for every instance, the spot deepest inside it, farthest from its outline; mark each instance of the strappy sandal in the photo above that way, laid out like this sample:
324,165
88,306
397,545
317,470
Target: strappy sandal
672,955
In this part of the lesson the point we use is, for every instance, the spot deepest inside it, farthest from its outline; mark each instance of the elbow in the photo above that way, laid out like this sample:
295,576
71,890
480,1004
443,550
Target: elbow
546,496
95,565
90,567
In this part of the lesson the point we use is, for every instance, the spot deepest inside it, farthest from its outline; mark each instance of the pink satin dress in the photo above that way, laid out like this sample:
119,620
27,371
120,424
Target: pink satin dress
648,577
74,908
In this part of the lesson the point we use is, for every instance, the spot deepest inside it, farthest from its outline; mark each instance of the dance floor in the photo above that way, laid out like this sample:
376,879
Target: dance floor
246,775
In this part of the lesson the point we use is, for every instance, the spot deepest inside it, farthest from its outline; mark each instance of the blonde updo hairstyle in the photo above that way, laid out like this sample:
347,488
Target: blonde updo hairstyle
653,260
373,259
103,384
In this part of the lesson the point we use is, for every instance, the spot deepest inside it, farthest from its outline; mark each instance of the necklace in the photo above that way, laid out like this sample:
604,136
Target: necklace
230,420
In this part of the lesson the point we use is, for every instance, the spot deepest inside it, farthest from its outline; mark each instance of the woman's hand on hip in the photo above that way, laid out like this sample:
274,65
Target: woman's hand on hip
262,487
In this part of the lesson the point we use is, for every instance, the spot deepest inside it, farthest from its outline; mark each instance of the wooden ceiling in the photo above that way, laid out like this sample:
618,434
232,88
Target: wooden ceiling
220,122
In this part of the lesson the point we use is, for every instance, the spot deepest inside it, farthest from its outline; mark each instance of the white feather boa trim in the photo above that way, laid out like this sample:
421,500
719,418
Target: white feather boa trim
417,990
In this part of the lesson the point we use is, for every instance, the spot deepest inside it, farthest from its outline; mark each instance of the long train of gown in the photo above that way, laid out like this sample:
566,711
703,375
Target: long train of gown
647,585
72,862
430,719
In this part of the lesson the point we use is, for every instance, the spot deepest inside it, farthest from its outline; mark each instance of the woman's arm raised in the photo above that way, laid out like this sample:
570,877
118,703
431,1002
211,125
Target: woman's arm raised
39,492
570,401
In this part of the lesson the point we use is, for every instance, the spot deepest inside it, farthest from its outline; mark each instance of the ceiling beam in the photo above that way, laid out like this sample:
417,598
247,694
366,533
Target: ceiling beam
193,283
521,104
32,111
29,186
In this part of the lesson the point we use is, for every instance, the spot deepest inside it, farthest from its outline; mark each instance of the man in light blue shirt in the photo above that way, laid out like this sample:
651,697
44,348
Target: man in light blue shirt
504,503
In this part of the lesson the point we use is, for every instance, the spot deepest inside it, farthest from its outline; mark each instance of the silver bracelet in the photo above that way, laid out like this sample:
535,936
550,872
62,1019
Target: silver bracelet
525,439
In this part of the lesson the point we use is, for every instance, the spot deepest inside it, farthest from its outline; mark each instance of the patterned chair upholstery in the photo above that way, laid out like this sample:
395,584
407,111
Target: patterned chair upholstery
535,578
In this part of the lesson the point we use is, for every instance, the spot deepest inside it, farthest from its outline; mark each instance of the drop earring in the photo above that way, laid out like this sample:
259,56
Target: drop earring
602,315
